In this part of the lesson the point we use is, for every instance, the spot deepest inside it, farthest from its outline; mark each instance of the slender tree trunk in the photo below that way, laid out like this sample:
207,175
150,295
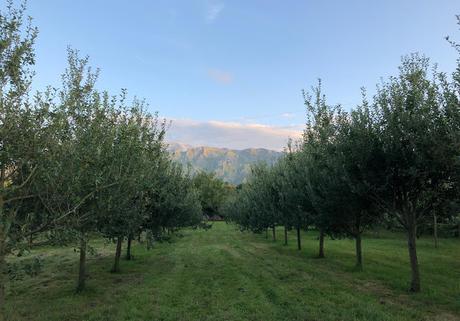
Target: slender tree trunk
82,267
116,264
266,233
2,251
435,230
128,248
321,244
299,245
274,233
359,253
31,240
285,235
411,242
2,282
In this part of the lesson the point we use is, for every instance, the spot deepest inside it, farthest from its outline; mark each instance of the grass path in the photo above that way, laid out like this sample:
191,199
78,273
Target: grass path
223,274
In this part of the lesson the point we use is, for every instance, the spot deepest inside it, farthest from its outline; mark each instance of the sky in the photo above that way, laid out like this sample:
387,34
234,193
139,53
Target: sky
230,73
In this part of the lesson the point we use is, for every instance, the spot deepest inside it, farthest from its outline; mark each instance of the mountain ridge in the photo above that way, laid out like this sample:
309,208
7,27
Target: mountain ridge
231,165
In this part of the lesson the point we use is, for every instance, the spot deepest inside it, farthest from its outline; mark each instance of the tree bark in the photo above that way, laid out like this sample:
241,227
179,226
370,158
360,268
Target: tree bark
299,245
274,233
411,242
435,230
82,267
128,248
321,244
116,264
359,253
266,233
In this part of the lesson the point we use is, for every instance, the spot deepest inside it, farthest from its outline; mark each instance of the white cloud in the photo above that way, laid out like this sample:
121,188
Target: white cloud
213,11
231,134
288,115
220,76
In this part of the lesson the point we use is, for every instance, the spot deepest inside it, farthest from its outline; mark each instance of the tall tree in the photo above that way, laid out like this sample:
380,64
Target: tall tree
84,163
350,178
418,131
317,148
21,137
137,133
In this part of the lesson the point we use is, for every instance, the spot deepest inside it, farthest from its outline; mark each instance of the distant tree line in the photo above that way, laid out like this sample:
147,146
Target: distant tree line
77,163
393,159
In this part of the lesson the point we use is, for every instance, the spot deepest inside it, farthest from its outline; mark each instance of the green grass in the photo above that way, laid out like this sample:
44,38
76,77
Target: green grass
223,274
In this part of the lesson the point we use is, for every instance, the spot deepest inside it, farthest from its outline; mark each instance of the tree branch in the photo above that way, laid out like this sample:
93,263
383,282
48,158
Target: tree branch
73,210
27,179
17,198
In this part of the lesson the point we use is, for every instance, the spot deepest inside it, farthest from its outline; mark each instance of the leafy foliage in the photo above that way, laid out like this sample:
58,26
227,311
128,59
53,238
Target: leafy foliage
75,161
394,159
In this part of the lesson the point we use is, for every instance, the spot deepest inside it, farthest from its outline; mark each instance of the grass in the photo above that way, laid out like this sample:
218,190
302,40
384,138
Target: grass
223,274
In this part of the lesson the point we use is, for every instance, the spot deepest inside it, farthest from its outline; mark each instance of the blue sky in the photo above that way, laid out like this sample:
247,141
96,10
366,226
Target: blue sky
240,64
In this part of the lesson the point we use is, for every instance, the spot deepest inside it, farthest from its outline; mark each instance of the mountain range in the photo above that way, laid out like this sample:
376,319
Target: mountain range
230,165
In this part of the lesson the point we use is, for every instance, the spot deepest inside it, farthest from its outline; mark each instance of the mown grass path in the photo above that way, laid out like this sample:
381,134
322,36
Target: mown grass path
223,274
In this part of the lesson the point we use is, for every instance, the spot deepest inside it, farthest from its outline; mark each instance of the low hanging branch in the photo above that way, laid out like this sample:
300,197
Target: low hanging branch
66,214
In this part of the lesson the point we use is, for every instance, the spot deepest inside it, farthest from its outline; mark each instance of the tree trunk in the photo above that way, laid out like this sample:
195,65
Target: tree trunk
321,244
299,246
359,253
2,283
116,264
435,230
285,235
128,248
31,240
274,233
266,233
2,250
82,268
411,242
